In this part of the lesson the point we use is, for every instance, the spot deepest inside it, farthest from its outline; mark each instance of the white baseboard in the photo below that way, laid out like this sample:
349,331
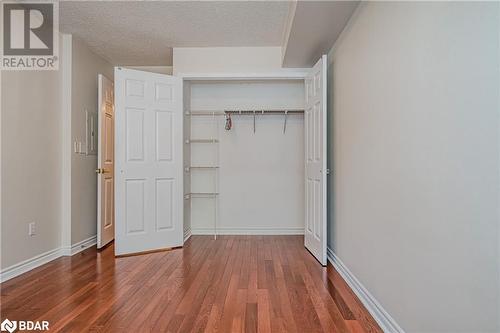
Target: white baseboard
29,264
79,247
41,259
248,231
382,317
187,234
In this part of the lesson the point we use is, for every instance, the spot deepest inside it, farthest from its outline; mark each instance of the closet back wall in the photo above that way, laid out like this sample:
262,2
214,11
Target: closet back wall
261,174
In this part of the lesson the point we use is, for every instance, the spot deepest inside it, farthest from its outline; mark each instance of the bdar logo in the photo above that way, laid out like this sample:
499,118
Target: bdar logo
24,325
8,325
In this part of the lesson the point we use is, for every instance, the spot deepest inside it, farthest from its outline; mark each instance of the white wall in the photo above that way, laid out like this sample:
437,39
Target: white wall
86,65
31,163
414,89
261,175
225,59
153,69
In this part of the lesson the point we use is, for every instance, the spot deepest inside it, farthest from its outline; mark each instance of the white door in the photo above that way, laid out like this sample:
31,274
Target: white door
105,163
149,173
315,151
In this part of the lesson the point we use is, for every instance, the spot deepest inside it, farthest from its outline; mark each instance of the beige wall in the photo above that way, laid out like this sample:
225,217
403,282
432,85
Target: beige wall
86,65
35,144
31,163
414,89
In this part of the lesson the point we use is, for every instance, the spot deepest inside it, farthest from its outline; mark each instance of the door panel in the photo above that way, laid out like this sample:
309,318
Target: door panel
164,135
108,204
315,156
134,206
149,188
134,138
105,163
164,203
108,138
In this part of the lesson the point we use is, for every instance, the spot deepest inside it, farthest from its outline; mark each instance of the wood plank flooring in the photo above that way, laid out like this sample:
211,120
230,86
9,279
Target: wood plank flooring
232,284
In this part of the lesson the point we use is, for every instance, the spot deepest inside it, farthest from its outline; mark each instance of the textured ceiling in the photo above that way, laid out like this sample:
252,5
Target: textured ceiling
144,32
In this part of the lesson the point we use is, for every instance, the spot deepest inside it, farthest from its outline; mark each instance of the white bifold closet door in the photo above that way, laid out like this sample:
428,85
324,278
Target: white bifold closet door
149,161
316,168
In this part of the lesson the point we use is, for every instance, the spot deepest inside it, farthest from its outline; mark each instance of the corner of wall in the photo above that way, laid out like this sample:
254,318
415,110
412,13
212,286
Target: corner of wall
354,17
66,71
292,7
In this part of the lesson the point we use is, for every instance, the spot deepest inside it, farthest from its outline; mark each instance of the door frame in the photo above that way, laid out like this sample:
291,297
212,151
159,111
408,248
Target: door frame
100,127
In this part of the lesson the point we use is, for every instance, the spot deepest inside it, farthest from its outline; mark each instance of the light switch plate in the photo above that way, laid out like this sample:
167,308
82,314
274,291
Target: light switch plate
31,229
91,133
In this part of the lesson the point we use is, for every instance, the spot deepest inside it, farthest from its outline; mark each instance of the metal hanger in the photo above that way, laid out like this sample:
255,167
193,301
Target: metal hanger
284,124
254,121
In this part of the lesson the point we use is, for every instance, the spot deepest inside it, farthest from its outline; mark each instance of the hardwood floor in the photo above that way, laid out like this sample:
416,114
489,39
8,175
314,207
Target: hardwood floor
233,284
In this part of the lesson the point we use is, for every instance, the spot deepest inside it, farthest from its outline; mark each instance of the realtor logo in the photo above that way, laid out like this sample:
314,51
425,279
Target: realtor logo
8,325
30,36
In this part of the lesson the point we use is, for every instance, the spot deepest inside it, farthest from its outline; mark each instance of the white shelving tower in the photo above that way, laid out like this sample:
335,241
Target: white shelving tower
213,141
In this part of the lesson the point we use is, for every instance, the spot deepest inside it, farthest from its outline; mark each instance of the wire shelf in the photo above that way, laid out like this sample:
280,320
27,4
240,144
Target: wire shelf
202,141
203,167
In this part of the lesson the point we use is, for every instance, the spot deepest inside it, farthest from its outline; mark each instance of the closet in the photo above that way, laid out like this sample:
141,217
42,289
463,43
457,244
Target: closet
220,154
244,157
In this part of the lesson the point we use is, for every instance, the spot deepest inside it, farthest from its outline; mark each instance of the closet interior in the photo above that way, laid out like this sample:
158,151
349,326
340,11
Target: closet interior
243,156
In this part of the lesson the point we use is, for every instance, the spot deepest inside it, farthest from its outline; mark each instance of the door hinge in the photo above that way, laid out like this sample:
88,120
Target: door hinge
327,171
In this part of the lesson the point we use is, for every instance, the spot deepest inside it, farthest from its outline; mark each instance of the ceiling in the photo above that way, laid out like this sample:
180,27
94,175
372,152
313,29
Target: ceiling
144,32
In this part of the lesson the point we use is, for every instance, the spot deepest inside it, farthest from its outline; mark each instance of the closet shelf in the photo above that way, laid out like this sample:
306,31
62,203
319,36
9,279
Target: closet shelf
204,113
203,167
202,141
203,193
200,194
